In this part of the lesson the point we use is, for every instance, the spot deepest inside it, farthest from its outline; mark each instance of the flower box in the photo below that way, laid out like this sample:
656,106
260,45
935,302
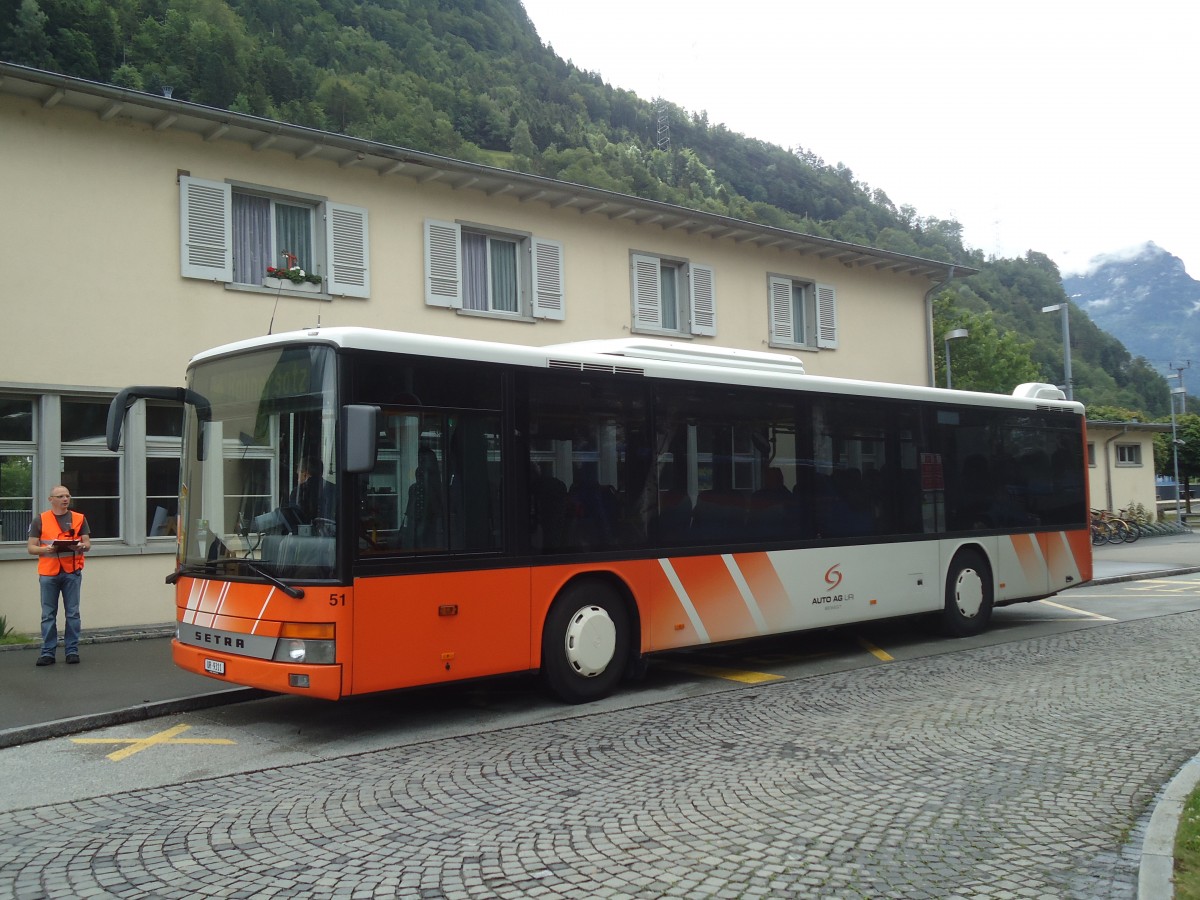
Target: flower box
304,287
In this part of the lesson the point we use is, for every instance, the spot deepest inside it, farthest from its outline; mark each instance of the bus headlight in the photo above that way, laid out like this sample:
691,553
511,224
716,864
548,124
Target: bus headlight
301,642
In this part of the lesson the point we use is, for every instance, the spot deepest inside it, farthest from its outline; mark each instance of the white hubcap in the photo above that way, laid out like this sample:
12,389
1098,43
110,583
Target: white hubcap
968,593
591,641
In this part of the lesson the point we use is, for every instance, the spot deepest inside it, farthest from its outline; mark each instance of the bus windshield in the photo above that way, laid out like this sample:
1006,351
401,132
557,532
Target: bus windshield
259,491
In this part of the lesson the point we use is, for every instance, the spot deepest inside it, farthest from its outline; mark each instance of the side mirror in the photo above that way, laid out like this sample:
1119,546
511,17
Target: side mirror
360,435
120,406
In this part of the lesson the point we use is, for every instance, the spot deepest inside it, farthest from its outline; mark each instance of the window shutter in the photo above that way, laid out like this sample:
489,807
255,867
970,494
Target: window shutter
348,251
548,294
443,267
704,300
783,327
205,229
827,335
647,292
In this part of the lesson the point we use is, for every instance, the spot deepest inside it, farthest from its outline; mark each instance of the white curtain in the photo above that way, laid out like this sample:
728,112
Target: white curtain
475,269
669,293
293,234
504,275
251,238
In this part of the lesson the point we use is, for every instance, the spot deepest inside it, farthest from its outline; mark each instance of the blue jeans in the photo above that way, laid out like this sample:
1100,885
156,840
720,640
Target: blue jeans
67,584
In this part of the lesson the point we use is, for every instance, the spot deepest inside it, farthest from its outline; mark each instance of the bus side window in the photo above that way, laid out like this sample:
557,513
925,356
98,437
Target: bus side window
424,525
474,483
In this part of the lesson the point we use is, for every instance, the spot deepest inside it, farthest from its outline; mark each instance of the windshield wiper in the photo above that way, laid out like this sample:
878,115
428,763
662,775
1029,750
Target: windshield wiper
294,592
210,567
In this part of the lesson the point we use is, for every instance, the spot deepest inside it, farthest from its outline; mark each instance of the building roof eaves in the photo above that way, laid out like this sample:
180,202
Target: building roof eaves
162,113
1155,427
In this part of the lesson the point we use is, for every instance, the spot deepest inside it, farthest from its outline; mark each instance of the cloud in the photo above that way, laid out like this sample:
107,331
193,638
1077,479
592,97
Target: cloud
1123,255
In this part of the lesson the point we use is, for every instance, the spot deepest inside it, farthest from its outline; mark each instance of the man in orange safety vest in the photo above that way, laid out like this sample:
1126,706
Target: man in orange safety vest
58,538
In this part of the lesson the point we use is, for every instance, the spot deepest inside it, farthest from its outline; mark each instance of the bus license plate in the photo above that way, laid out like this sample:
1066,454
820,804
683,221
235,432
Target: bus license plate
214,667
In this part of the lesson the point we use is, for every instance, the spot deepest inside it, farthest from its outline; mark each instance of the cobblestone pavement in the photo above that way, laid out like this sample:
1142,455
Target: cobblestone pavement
1018,770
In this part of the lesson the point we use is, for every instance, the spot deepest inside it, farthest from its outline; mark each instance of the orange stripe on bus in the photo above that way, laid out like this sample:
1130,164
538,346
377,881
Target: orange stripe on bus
667,622
206,602
1030,557
1080,543
1064,551
716,598
768,589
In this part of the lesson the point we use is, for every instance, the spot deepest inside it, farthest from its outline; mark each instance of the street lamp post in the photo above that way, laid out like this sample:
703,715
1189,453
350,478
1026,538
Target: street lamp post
952,336
1175,453
1066,331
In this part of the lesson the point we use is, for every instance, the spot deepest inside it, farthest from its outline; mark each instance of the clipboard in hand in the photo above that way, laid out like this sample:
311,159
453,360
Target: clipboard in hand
65,546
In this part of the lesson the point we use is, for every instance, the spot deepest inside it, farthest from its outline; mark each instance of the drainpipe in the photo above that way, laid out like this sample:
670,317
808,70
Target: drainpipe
1108,472
929,325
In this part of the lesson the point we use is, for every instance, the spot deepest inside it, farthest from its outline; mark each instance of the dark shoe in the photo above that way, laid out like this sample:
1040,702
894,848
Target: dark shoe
45,660
72,658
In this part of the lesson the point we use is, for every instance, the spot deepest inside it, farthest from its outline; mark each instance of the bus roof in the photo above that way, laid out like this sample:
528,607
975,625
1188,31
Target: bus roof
653,357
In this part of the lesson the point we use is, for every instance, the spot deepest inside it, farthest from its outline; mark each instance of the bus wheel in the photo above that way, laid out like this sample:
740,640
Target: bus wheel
969,595
585,644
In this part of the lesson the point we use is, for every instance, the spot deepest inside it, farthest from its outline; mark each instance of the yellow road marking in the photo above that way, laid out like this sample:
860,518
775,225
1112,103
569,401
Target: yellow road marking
1079,612
875,651
728,674
783,659
137,745
1162,586
1098,596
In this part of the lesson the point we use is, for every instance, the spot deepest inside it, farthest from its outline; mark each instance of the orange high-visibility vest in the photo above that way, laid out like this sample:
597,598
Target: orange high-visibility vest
53,563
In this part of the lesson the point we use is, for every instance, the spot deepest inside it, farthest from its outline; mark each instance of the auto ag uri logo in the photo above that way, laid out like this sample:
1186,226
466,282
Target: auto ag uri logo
833,577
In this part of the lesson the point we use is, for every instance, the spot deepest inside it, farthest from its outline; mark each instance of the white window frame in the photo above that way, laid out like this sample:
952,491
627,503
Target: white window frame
156,447
695,300
91,448
48,451
540,277
1129,455
817,328
341,247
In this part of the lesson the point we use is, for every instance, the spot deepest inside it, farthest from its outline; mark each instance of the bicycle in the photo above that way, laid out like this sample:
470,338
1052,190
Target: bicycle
1108,527
1139,517
1133,527
1099,525
1120,532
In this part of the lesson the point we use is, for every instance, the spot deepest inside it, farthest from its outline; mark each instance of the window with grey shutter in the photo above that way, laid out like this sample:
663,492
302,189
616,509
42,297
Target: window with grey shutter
206,229
349,250
443,268
547,277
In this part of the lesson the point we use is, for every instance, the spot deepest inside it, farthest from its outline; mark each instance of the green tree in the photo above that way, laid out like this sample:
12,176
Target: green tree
1104,413
28,43
128,77
1187,443
344,101
522,146
16,488
988,359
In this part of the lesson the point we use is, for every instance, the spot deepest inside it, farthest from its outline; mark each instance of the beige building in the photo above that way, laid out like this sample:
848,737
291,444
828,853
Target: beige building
1121,464
138,230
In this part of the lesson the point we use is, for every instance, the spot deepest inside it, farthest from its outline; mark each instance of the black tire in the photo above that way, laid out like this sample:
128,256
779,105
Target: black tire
1134,532
1117,531
969,595
585,643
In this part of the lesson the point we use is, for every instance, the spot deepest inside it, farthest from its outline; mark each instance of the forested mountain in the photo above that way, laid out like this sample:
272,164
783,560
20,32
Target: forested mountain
471,79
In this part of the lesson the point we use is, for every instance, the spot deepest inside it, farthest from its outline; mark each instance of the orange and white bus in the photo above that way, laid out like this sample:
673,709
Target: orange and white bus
363,510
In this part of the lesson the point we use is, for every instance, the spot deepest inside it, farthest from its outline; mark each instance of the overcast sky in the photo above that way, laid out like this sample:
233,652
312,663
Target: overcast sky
1062,126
